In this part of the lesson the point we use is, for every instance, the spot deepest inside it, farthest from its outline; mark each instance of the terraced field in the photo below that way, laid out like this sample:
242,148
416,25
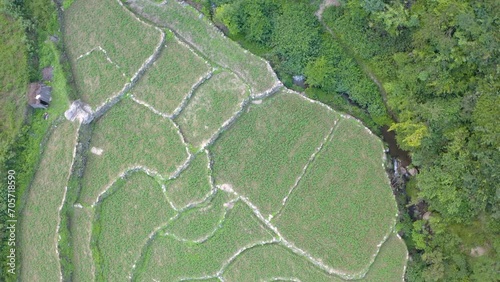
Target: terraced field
200,166
41,215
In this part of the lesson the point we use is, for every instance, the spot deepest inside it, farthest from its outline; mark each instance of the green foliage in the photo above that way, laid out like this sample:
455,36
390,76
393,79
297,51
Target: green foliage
296,39
436,61
169,80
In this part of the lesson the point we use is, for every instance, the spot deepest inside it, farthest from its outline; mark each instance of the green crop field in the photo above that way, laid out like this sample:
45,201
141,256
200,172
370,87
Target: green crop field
168,259
345,182
97,79
171,77
81,231
125,219
285,265
264,153
214,102
390,262
105,23
40,217
130,135
193,184
200,223
209,41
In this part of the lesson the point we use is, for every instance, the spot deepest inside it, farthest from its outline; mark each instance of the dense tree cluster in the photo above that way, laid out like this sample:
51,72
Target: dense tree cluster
437,64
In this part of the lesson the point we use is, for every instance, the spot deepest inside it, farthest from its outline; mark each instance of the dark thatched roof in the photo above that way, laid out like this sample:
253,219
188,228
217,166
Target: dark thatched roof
39,95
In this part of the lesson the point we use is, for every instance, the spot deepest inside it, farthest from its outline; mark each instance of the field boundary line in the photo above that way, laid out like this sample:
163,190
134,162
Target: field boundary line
127,172
207,237
96,209
291,279
318,149
316,262
135,16
99,48
216,31
229,122
209,178
146,245
242,250
192,205
373,257
407,255
110,102
140,102
187,98
158,229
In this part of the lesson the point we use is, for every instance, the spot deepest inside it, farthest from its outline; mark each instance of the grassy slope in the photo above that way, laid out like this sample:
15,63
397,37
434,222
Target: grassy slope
171,77
198,31
345,183
38,240
170,260
214,102
13,79
92,23
262,155
130,135
127,216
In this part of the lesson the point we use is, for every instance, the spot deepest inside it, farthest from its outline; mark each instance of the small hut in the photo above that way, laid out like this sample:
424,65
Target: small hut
39,95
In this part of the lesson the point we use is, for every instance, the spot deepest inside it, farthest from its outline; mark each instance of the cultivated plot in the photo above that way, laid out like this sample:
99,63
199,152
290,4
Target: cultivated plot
130,136
97,78
170,79
203,36
81,230
390,263
214,102
343,207
265,151
90,24
132,210
192,185
273,262
40,217
200,223
169,259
